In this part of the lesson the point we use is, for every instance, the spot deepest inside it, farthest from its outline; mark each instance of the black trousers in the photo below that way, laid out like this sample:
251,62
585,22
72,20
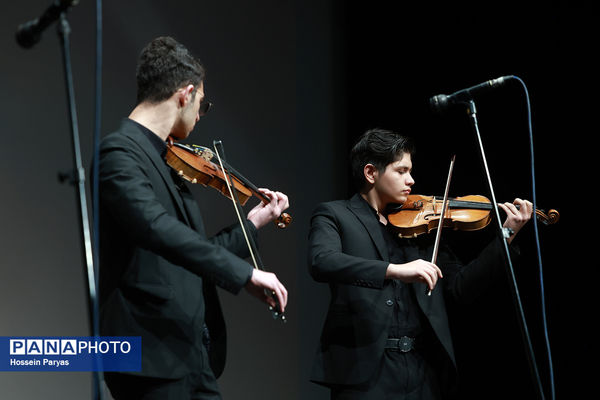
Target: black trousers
401,376
198,385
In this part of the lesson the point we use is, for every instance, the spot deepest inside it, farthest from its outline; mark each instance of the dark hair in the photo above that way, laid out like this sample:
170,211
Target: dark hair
379,147
164,66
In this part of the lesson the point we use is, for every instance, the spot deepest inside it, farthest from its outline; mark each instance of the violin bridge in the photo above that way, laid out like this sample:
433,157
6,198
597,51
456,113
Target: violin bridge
203,152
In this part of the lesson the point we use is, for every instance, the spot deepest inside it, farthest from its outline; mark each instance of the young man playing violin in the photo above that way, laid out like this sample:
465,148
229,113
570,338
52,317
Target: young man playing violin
384,336
158,269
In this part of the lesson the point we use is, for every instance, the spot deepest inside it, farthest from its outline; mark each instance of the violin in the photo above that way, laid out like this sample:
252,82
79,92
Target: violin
193,163
420,214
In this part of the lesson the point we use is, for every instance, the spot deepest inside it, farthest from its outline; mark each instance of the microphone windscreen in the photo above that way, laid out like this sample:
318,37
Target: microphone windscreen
27,35
439,103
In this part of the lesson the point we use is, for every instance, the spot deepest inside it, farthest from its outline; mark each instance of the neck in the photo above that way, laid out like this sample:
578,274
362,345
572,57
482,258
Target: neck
159,117
372,197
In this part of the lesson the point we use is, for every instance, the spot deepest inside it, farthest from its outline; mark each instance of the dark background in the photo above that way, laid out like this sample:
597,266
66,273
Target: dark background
294,84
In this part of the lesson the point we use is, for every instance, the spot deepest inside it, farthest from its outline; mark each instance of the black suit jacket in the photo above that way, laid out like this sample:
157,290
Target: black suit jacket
347,250
158,270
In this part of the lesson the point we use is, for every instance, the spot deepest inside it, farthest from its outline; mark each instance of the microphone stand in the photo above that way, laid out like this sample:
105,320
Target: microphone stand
504,233
77,178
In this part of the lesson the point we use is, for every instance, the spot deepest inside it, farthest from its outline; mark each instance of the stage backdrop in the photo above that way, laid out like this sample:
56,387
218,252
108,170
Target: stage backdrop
270,76
294,83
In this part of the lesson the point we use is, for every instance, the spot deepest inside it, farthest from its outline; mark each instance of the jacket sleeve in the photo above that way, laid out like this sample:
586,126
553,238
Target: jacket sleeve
232,238
333,258
466,283
127,193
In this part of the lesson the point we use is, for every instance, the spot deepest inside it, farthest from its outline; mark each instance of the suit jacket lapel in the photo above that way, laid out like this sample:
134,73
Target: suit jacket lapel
363,211
433,306
142,141
189,202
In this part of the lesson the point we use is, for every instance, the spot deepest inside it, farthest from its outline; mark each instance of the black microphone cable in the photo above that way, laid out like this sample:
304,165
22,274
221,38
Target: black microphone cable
537,239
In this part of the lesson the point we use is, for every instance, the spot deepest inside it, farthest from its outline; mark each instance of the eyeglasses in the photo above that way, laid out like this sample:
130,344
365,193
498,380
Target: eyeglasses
204,107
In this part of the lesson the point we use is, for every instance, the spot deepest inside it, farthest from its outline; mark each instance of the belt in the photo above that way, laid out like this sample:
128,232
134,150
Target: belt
403,344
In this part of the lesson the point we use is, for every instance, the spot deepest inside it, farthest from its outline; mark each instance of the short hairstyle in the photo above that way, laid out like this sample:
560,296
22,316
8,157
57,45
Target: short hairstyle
379,147
163,67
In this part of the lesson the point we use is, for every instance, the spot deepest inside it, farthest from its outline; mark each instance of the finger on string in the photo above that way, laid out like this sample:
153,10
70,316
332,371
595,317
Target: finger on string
273,198
284,198
268,193
528,207
512,207
504,208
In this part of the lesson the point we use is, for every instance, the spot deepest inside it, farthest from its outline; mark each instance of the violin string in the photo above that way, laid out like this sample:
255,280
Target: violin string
245,182
469,204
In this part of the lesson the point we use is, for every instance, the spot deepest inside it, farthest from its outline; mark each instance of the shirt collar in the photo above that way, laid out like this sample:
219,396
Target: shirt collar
157,142
373,210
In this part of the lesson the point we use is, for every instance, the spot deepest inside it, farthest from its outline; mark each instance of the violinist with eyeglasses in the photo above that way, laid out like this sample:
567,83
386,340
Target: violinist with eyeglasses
158,268
386,334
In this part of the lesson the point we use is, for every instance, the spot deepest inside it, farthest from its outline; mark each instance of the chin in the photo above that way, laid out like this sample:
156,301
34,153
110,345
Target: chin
401,199
180,135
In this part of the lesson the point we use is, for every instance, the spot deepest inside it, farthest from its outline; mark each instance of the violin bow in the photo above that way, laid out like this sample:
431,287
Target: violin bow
438,236
256,260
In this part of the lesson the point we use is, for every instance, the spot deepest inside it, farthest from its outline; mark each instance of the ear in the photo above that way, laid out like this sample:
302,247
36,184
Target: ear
370,172
185,95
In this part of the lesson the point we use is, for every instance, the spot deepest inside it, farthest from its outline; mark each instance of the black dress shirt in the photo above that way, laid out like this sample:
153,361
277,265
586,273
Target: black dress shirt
407,315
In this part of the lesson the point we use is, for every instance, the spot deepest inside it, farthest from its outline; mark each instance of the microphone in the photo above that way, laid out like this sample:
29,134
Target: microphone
30,32
442,101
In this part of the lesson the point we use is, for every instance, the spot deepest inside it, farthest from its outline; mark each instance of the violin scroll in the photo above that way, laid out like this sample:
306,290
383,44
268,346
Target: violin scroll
283,220
550,218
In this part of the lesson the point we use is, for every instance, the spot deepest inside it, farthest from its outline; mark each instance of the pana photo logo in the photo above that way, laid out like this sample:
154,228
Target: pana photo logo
66,346
70,353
